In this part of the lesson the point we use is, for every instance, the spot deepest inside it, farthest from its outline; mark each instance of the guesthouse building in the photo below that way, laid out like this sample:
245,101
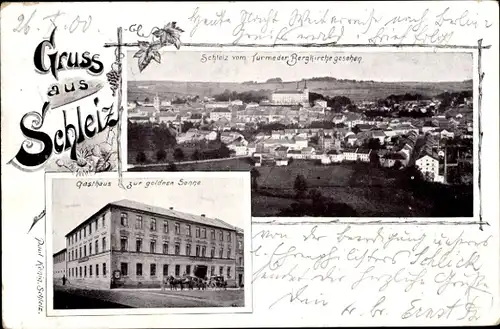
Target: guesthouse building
132,244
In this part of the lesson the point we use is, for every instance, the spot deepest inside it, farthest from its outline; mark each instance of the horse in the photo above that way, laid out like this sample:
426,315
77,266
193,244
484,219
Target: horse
190,282
174,282
201,284
222,284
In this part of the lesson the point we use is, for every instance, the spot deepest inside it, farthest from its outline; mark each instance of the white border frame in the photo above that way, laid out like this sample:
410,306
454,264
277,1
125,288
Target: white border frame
334,50
248,291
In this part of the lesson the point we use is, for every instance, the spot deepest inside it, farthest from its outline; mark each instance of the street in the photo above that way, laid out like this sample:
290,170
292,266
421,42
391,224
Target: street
73,297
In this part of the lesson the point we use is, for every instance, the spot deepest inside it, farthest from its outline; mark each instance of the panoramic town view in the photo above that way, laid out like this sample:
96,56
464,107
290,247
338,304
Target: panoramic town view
373,135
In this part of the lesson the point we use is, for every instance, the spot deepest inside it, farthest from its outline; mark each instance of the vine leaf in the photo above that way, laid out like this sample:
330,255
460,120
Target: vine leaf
146,53
169,34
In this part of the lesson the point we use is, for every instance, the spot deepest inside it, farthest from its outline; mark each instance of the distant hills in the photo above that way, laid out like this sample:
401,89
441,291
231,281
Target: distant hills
354,89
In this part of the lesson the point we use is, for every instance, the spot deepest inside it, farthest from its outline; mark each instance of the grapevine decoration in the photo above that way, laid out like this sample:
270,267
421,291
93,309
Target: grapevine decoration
168,35
113,79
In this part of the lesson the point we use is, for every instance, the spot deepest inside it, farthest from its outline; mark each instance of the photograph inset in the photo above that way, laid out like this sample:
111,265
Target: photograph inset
322,134
129,253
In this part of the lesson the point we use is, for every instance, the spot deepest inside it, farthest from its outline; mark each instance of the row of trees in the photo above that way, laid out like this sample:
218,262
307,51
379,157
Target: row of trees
148,136
252,96
336,103
399,114
179,155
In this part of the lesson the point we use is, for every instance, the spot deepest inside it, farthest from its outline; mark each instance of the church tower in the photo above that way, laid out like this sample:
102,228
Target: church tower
156,103
305,93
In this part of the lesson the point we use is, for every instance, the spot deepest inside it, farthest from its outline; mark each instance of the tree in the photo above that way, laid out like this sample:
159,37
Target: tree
146,100
186,125
161,155
178,154
314,140
196,155
300,186
373,144
141,157
374,158
254,174
397,165
171,167
317,199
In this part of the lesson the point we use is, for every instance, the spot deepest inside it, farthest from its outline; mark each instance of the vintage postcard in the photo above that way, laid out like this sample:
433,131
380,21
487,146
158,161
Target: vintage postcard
222,164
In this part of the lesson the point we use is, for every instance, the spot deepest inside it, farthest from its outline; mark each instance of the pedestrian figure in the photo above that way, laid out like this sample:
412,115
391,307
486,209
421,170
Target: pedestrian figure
64,280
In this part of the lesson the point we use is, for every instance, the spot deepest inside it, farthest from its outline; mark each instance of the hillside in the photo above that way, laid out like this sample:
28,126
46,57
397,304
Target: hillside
355,90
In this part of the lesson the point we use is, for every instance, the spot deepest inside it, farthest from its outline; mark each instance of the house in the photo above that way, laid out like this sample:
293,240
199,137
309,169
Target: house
237,102
335,156
363,155
428,165
380,135
168,117
389,159
251,148
138,118
364,127
295,154
352,119
238,147
351,140
278,134
231,136
406,151
251,105
429,126
281,151
222,124
300,142
446,134
220,113
216,105
350,155
321,103
308,152
325,159
282,162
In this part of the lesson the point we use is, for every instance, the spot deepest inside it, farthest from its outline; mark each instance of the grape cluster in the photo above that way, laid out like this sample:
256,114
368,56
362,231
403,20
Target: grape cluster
113,79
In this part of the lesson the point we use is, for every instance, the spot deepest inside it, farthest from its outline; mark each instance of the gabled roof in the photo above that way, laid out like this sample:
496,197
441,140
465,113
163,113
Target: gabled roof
394,156
288,92
363,151
135,205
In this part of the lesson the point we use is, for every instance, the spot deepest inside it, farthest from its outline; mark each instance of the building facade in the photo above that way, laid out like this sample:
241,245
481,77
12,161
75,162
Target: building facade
240,258
59,264
221,113
131,244
291,97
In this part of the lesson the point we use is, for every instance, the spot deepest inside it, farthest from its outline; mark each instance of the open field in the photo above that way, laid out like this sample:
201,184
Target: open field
369,191
356,91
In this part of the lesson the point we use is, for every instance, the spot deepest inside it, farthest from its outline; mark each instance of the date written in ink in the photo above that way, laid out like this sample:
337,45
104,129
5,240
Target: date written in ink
32,21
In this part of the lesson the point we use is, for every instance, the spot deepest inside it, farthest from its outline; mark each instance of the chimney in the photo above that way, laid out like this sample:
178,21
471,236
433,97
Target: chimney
171,208
202,215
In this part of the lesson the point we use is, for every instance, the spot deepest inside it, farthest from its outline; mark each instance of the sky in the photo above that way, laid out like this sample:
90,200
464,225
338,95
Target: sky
215,197
389,66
